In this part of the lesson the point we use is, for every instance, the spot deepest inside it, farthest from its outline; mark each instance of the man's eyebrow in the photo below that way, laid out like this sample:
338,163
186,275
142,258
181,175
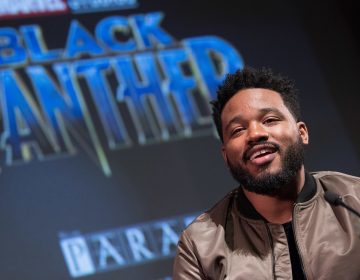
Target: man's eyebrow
263,111
271,110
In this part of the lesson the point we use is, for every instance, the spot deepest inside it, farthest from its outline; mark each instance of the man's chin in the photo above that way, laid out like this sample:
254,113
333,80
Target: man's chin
264,171
265,182
265,176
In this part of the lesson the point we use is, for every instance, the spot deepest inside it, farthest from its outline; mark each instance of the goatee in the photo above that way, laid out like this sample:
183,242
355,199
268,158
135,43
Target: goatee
272,184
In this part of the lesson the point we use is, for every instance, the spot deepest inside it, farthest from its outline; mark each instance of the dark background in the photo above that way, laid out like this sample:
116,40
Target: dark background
314,43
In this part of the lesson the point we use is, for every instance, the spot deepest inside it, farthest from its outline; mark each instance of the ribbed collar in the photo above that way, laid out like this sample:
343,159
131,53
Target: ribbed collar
248,210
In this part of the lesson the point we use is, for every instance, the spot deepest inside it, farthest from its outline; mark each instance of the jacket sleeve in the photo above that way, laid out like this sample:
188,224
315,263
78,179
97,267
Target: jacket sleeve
186,264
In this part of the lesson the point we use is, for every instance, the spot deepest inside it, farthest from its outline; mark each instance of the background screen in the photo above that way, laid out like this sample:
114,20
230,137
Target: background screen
107,146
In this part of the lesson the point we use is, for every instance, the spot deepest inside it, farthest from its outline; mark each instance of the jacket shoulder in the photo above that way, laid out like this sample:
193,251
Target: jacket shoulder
213,218
195,257
338,182
319,174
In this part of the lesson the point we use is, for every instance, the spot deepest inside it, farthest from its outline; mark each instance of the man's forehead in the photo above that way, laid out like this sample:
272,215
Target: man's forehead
255,98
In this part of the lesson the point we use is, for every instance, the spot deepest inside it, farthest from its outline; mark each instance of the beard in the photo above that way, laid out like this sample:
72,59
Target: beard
272,184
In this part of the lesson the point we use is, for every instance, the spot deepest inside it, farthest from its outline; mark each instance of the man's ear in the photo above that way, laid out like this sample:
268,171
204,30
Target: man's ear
303,131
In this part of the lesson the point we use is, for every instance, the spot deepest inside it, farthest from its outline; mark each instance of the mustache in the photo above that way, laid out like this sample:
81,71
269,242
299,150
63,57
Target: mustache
264,144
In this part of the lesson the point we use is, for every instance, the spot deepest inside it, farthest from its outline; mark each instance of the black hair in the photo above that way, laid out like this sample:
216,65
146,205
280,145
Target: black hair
254,78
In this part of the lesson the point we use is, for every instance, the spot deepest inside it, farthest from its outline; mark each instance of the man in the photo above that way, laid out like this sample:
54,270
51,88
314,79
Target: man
277,224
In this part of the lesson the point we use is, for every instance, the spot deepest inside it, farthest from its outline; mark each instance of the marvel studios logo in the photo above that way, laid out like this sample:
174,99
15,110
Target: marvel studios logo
23,8
86,6
29,8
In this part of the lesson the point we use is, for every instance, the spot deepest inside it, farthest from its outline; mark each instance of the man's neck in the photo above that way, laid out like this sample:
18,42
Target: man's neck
278,209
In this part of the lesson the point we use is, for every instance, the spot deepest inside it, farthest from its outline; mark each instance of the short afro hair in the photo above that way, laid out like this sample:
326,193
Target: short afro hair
254,78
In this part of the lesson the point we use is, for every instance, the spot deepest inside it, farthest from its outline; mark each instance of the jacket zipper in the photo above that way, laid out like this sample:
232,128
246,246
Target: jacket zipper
297,243
272,250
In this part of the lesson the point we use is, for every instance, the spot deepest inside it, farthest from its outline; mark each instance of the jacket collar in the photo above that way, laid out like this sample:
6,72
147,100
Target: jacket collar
247,210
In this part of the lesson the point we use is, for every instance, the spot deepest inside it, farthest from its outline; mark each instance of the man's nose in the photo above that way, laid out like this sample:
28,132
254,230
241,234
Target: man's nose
257,132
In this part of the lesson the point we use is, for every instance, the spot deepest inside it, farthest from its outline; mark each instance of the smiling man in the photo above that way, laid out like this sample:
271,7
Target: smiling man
277,223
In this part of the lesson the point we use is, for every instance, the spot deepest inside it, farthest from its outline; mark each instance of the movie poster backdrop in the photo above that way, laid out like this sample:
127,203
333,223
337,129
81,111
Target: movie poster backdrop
107,147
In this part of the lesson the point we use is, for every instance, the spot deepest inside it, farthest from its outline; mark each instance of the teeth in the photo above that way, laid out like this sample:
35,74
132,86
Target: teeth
264,151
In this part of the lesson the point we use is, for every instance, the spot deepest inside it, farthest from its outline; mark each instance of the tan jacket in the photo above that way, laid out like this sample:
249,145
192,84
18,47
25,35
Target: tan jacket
230,242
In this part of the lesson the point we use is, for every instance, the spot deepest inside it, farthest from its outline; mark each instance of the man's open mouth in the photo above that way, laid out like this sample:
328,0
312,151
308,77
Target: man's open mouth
261,150
261,153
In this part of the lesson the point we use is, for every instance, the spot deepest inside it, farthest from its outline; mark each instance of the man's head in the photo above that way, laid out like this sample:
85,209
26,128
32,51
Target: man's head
254,78
257,115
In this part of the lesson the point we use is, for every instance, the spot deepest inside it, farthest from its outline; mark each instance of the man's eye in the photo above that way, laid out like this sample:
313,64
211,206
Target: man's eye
270,120
237,130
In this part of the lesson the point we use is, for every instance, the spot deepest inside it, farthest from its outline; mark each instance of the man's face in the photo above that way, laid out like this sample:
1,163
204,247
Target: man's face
263,144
